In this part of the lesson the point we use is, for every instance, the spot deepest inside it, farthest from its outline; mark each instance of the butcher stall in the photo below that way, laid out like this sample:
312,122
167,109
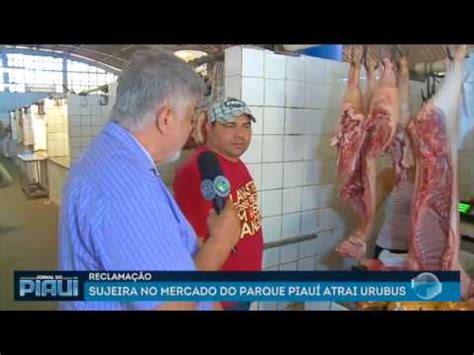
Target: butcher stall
330,124
427,143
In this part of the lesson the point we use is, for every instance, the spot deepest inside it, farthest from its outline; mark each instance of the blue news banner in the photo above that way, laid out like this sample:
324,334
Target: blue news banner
128,286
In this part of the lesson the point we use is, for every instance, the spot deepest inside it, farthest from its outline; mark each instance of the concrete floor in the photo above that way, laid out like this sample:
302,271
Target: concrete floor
28,239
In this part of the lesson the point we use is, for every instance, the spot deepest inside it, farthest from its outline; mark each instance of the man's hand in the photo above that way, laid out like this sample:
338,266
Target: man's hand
226,227
224,233
176,306
218,306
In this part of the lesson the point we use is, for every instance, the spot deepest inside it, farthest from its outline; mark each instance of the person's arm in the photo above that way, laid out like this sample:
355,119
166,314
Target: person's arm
224,233
214,249
143,235
200,241
218,306
176,306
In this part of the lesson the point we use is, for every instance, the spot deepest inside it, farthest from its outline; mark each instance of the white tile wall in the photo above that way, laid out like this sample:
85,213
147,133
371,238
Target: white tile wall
87,130
254,306
317,306
343,71
326,219
75,151
292,148
314,69
309,147
76,130
309,221
57,140
289,267
272,268
291,225
295,95
310,197
328,121
312,172
233,61
233,87
252,62
327,151
295,68
268,306
328,171
313,121
326,245
252,91
337,307
272,229
275,65
288,253
339,233
327,194
86,117
255,171
292,200
75,141
272,148
283,305
257,127
272,176
271,257
293,174
254,151
337,218
331,72
274,92
295,121
306,264
57,177
271,202
293,160
307,249
315,95
333,98
274,120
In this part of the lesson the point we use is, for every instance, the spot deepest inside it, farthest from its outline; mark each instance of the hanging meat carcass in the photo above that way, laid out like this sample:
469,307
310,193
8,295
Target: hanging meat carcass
371,70
376,133
349,134
435,238
399,149
349,140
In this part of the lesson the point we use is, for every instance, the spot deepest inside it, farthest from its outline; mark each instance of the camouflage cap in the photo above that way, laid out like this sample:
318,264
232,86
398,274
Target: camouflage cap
228,110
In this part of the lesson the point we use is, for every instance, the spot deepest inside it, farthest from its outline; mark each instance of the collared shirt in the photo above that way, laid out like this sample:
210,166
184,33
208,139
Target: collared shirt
147,153
117,214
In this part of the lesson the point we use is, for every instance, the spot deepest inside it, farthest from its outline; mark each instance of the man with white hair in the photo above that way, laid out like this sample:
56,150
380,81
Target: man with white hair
116,212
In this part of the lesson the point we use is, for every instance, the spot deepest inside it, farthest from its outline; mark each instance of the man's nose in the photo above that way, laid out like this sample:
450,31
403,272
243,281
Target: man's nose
239,133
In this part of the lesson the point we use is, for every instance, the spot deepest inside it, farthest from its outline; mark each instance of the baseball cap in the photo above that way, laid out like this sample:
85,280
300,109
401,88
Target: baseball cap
228,110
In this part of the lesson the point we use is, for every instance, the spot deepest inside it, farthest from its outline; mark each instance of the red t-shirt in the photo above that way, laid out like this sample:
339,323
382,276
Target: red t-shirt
187,192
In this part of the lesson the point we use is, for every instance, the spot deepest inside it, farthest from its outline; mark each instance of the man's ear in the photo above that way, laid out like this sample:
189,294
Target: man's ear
208,126
163,119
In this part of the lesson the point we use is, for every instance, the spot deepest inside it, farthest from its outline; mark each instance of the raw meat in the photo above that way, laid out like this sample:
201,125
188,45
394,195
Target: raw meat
435,239
349,135
377,132
399,149
370,67
384,112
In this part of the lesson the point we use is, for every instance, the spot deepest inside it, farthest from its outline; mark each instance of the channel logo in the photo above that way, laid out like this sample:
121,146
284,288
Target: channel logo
426,286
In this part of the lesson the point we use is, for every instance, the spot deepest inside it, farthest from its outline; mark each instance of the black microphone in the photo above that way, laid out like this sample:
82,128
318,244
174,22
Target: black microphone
215,186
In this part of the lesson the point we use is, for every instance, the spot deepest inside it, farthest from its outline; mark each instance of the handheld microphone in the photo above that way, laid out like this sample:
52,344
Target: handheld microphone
215,186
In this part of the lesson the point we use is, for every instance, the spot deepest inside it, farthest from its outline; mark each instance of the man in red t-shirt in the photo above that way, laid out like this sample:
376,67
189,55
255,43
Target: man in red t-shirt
228,134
